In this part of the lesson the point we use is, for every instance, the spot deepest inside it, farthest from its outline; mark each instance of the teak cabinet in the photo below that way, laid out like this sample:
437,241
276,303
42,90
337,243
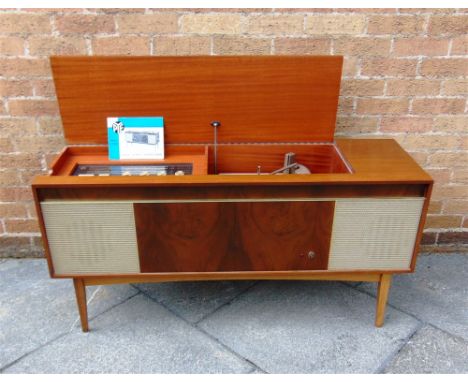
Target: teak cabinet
357,216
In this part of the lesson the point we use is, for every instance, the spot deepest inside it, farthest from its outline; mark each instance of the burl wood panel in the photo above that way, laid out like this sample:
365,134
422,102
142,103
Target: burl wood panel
233,236
257,99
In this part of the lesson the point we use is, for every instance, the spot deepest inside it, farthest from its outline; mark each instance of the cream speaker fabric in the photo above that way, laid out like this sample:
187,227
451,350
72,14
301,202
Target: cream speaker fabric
91,237
374,233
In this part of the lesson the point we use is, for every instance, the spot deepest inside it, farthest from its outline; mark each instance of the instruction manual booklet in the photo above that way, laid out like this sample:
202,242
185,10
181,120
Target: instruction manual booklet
135,137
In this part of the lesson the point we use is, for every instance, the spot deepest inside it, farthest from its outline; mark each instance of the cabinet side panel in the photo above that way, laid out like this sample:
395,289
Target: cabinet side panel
91,238
374,233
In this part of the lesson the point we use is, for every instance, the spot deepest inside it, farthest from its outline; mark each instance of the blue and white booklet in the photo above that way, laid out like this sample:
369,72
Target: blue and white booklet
135,137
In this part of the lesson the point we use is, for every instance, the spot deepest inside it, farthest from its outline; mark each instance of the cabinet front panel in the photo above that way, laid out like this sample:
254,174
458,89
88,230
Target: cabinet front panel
91,237
233,236
128,237
372,233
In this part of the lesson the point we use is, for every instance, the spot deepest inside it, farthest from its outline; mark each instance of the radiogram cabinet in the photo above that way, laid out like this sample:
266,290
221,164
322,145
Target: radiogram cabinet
263,189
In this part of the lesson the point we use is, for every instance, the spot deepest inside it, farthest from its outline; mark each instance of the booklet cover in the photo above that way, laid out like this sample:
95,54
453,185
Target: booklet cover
135,137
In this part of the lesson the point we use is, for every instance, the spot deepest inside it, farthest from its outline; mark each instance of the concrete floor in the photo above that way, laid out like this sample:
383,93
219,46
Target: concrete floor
236,327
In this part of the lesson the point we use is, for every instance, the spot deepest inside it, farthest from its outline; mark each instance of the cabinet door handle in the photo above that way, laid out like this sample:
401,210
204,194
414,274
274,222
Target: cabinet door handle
311,255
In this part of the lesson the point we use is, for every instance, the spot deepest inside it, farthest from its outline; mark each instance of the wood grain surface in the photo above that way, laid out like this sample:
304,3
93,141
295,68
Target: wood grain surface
256,99
233,236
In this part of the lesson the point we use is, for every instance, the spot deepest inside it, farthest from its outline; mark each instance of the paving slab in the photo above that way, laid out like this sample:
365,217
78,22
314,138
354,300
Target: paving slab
138,336
436,293
35,309
194,300
309,327
431,351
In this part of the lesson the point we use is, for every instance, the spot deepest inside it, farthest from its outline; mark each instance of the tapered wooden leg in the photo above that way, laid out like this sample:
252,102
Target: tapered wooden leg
382,296
80,291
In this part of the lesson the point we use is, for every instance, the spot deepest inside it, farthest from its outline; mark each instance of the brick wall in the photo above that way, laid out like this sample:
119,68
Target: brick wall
404,77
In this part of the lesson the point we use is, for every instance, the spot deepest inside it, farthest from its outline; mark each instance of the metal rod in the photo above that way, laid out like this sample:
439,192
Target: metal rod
215,125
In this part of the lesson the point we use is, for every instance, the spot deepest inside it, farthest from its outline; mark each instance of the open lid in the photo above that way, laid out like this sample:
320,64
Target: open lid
256,99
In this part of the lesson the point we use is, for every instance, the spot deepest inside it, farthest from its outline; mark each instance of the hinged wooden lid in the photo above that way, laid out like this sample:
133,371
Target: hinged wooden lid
256,99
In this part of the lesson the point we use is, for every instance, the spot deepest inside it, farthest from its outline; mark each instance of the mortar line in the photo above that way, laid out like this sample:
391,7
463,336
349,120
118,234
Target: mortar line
4,368
208,335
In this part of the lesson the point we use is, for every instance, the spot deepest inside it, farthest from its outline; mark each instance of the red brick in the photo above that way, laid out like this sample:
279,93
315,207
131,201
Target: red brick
438,106
182,45
345,105
440,67
47,46
13,210
350,66
418,156
407,87
435,207
127,45
156,23
212,10
448,159
122,10
441,191
362,46
13,127
21,226
455,87
26,107
389,67
460,46
426,10
43,88
406,124
41,144
431,142
53,10
443,221
460,176
335,24
50,126
351,87
420,46
213,23
395,24
277,24
455,206
302,46
428,238
21,160
451,124
24,67
346,125
241,45
305,10
15,88
11,46
382,106
457,238
17,23
6,146
14,246
450,25
15,194
84,24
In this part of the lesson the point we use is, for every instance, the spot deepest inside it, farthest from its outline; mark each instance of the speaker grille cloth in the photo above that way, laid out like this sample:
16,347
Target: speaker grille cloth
374,233
91,237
